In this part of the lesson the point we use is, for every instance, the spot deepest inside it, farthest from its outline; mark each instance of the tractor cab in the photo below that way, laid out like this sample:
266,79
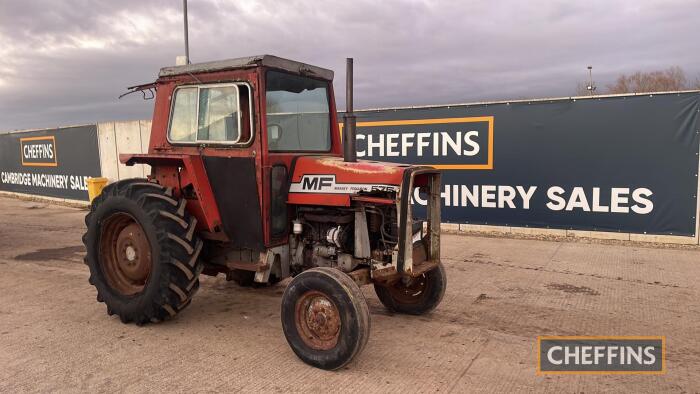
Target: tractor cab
247,120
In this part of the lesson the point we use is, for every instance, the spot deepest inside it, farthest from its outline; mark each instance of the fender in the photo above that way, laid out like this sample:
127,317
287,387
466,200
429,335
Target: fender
179,171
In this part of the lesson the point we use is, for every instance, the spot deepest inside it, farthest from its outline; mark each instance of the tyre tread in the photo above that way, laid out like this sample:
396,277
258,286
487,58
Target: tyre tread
177,242
359,311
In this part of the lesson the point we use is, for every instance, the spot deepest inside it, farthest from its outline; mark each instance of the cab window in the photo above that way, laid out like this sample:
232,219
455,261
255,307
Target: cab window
210,114
297,113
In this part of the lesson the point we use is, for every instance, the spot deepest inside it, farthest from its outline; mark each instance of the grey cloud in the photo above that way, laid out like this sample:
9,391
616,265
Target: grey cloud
66,62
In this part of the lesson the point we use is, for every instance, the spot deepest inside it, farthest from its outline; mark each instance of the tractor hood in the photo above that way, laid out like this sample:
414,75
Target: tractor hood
328,180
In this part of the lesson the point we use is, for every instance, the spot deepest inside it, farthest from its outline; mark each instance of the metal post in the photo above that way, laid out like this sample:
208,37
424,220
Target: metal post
187,41
591,86
349,122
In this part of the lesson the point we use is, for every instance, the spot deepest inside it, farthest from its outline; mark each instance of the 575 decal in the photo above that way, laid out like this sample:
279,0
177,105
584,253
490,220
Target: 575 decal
325,183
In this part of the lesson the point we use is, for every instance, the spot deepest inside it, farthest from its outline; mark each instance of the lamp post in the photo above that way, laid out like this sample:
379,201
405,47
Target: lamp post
591,87
187,41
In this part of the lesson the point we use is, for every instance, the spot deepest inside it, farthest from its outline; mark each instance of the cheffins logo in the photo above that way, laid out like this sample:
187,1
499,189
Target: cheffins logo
601,355
38,151
443,143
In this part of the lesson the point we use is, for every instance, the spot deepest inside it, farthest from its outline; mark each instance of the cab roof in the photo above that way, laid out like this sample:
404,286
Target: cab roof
248,62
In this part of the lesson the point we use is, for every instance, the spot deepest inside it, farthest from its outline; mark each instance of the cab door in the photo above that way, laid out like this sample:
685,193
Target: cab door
213,121
298,121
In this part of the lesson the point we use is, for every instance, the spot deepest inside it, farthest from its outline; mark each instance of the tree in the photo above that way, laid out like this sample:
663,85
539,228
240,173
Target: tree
696,83
670,79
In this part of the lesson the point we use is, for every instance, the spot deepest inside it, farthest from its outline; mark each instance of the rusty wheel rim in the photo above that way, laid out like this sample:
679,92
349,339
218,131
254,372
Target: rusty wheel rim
125,254
409,292
317,320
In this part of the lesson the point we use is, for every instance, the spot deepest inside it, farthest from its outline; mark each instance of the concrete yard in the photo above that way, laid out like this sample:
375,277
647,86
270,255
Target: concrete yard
502,293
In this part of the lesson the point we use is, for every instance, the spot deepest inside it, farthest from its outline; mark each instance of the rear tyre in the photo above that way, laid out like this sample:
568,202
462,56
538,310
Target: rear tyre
325,318
142,251
416,296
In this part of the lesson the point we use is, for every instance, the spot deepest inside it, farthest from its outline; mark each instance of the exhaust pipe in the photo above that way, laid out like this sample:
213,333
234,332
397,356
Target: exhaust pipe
349,122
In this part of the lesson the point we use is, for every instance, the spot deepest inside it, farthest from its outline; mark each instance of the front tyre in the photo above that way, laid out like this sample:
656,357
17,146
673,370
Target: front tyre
142,251
414,296
325,318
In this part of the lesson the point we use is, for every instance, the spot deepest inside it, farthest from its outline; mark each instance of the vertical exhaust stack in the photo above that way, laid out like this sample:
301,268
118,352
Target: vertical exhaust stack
349,148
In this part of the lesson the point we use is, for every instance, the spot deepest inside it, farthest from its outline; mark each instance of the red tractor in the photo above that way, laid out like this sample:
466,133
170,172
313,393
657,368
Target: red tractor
248,180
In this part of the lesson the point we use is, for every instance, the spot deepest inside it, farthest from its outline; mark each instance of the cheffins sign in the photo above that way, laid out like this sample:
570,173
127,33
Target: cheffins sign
30,161
447,143
38,151
619,163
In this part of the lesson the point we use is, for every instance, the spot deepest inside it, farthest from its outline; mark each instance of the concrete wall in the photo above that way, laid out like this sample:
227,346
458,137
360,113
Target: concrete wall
116,138
564,233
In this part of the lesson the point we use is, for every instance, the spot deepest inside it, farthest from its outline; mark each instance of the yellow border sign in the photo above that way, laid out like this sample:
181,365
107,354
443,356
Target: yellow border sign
489,119
593,338
39,164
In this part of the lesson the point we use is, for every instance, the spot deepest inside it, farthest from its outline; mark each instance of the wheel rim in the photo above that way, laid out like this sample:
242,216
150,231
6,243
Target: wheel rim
125,254
411,291
317,320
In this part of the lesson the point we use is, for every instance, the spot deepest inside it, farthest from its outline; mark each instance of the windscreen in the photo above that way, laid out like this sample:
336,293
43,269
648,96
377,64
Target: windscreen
297,113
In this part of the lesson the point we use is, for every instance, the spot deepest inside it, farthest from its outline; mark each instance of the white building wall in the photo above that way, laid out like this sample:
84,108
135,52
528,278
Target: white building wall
117,138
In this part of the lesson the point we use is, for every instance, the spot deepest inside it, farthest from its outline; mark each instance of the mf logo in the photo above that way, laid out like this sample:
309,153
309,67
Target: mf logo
317,182
38,151
326,184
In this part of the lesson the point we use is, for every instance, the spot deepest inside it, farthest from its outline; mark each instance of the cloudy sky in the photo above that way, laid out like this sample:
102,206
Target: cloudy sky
65,62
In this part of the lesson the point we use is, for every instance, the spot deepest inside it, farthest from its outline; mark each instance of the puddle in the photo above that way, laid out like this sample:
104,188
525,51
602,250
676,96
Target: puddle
67,253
